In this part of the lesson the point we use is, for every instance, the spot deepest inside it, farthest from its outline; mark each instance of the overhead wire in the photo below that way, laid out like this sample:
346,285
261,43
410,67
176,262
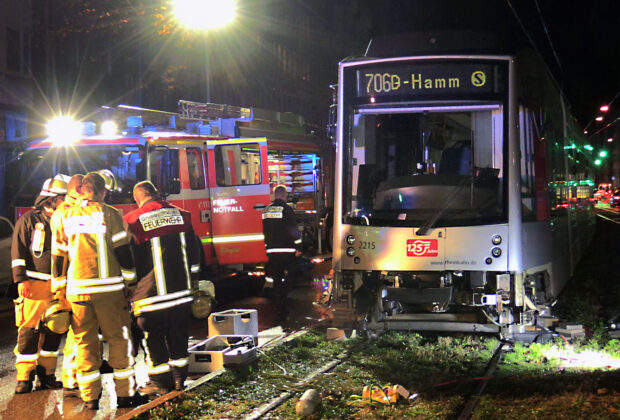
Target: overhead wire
555,54
533,44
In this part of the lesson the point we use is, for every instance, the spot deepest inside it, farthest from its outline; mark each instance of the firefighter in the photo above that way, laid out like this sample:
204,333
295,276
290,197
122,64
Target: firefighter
92,266
69,366
37,346
163,240
282,239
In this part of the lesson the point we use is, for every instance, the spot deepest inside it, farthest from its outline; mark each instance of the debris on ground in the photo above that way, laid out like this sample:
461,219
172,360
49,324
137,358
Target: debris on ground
308,403
335,334
571,330
389,394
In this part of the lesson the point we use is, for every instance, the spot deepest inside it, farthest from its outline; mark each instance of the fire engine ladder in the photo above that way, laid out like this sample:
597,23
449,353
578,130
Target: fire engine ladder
189,113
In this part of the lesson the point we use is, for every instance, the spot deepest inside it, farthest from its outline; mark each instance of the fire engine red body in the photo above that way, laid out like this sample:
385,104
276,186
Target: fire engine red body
223,182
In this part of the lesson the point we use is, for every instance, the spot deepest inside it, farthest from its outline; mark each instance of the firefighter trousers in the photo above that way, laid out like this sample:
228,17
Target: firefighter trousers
35,345
108,311
280,267
165,343
69,363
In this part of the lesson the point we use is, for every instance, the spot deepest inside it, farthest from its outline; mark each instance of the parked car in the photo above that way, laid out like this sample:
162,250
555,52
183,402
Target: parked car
6,234
615,198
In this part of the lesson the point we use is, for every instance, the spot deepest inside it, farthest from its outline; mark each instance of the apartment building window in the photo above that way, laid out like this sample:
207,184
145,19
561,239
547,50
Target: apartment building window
17,50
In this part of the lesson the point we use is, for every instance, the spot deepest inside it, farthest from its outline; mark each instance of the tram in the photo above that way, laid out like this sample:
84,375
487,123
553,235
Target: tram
462,190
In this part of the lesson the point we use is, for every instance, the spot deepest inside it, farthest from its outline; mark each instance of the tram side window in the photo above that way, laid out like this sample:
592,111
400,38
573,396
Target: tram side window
528,187
195,169
238,164
164,170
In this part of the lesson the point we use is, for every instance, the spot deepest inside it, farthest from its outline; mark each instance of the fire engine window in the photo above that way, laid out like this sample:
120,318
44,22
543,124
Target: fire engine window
164,170
195,169
238,164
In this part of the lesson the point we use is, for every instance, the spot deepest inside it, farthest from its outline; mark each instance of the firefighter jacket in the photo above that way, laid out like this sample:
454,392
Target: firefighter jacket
88,236
168,255
31,246
280,228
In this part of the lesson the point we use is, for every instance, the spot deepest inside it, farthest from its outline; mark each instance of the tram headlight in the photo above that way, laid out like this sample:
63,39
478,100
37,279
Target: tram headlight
496,239
350,251
496,252
350,239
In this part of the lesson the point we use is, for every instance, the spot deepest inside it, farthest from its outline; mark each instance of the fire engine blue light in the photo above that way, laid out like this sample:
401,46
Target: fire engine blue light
134,121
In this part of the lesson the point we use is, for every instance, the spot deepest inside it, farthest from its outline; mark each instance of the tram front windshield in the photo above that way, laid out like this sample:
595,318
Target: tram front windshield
412,167
36,165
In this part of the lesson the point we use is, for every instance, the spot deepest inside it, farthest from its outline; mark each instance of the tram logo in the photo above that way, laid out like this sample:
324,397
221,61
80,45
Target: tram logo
422,247
478,78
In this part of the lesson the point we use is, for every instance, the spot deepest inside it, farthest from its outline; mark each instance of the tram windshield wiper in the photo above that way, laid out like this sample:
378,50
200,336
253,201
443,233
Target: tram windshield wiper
426,226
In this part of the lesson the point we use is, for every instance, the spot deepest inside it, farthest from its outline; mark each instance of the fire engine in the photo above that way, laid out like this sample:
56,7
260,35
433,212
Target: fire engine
218,162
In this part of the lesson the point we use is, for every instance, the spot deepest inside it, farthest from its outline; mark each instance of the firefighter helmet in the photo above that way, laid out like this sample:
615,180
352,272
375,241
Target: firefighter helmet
53,187
202,305
57,316
109,178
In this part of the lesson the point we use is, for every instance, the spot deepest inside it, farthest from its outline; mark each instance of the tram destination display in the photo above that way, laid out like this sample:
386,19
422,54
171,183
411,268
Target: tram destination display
425,79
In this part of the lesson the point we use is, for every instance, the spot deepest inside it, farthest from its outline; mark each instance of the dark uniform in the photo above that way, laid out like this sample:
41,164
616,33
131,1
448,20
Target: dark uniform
37,347
282,239
165,247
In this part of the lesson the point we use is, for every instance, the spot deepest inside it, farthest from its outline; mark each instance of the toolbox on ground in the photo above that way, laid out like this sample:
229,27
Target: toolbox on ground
234,322
222,350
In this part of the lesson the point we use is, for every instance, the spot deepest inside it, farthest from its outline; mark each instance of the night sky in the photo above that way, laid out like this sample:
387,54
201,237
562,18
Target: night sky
584,33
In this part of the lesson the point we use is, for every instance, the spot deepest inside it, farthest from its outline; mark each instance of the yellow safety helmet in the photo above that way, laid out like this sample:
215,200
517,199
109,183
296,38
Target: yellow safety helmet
109,178
57,316
202,305
55,186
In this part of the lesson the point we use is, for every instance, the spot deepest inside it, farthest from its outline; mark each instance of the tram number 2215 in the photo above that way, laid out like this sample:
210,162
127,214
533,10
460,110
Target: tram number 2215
382,82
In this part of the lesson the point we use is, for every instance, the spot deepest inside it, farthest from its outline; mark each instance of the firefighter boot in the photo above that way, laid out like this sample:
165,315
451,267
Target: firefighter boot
158,385
92,404
24,387
134,401
45,381
179,373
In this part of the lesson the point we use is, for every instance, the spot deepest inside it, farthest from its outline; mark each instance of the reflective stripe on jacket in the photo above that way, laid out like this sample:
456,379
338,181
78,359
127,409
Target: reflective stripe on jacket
280,228
167,255
31,246
87,235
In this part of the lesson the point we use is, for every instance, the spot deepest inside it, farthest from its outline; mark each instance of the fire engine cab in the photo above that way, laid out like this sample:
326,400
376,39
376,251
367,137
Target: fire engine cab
199,159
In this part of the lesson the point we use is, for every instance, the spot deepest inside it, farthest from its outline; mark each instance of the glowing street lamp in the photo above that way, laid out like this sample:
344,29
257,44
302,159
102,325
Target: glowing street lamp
604,108
599,118
204,16
609,140
603,153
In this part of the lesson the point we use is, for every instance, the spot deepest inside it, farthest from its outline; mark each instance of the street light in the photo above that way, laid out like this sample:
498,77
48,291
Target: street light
604,108
599,118
204,16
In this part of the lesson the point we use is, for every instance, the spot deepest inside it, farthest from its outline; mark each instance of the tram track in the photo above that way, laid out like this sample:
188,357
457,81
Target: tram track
257,412
472,402
610,215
